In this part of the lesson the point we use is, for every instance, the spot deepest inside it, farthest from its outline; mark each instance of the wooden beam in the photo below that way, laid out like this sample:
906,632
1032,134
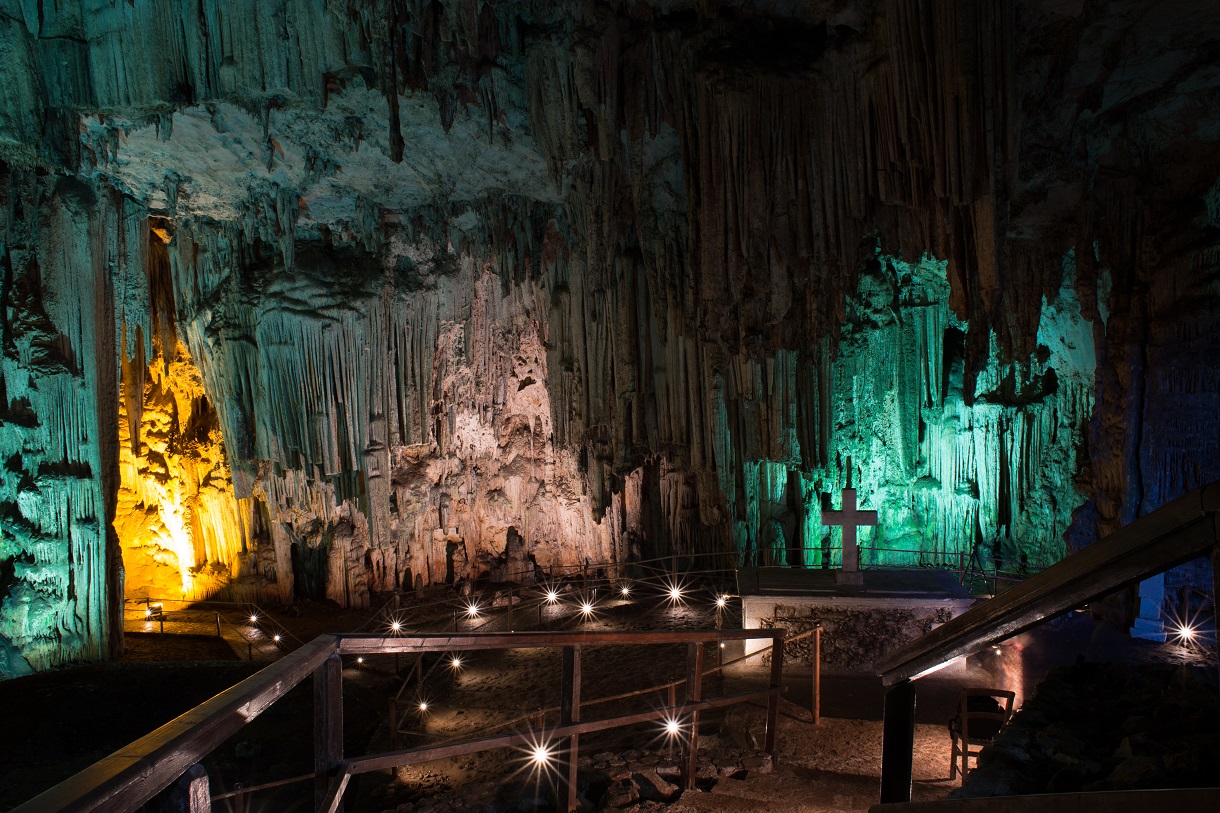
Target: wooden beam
411,756
694,693
898,743
1180,531
356,644
1110,801
332,800
189,793
327,726
777,682
569,713
137,772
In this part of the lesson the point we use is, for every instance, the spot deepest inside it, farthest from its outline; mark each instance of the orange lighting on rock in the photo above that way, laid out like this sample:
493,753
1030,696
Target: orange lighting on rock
179,524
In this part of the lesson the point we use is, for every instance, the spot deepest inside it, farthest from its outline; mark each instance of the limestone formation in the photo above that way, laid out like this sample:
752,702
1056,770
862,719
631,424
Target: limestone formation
325,298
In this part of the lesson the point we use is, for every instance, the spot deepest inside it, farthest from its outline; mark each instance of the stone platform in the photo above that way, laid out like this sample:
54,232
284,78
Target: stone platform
860,623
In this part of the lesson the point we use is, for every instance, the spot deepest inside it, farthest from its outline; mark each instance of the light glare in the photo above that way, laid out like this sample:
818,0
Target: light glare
540,754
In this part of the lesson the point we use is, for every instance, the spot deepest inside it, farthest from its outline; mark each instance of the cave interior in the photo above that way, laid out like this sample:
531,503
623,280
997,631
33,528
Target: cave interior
329,299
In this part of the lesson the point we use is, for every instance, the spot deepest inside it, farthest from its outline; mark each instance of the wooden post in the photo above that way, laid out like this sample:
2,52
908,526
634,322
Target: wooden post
327,724
190,793
510,609
569,712
777,681
694,693
898,743
815,703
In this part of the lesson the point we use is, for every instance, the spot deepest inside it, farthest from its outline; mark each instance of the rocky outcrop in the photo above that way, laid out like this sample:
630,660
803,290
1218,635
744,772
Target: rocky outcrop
602,280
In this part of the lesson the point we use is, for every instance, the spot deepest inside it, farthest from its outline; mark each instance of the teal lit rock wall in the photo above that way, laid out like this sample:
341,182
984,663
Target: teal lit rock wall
889,412
72,261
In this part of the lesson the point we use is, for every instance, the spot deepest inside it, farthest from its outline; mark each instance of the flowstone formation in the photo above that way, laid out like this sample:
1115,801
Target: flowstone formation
328,298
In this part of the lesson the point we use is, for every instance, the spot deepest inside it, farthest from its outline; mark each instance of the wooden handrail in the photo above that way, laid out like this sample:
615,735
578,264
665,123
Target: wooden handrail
1179,531
1106,801
1175,533
138,772
134,774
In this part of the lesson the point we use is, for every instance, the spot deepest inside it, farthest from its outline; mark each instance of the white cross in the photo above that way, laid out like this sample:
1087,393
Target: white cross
849,518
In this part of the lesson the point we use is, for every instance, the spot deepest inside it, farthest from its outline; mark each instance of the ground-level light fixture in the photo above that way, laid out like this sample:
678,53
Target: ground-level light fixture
472,610
423,705
253,618
455,662
625,590
672,726
360,660
540,753
1186,632
586,608
276,638
551,597
721,601
396,626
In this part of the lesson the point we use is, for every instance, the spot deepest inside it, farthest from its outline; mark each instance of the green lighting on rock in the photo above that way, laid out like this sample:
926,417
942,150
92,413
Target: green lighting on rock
950,461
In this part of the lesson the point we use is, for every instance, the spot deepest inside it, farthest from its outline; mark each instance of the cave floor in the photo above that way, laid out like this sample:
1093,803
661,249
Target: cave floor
72,717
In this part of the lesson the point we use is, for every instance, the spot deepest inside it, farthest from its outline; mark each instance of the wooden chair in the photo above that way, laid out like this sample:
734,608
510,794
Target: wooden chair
980,716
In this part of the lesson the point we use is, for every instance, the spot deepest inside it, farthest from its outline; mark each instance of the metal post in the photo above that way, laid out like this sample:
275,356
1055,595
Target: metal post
694,693
218,625
815,704
898,743
393,724
510,609
777,682
569,712
327,724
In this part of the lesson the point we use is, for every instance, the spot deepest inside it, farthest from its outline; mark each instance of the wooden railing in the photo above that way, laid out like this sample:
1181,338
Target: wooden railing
1187,528
165,763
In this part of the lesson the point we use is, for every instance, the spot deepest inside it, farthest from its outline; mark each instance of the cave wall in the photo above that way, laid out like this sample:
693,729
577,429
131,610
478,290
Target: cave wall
395,284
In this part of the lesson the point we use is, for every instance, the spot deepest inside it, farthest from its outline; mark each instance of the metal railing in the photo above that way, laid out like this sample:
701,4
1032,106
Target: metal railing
166,760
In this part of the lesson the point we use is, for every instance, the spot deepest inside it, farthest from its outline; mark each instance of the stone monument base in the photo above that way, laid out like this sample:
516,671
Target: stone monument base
860,623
